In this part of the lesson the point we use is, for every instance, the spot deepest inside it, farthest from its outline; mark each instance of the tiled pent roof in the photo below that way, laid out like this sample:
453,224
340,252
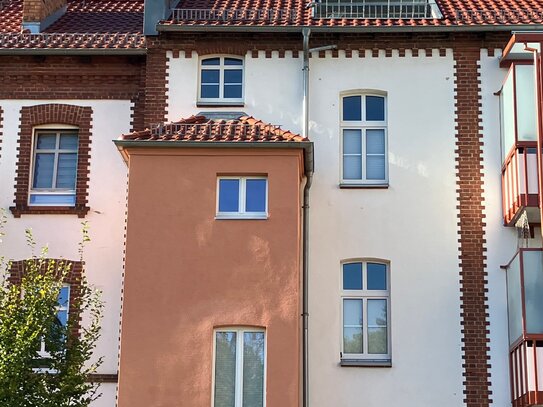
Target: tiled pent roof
200,128
296,13
86,24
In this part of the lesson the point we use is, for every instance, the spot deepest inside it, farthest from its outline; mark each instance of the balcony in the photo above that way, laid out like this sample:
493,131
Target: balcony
375,9
525,317
520,183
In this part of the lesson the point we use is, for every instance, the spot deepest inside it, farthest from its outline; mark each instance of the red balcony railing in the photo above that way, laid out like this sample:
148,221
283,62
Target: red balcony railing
526,369
520,182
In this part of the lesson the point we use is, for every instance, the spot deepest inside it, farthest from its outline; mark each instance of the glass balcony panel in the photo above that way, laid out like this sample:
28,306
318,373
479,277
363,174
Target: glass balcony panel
514,300
533,289
508,116
525,97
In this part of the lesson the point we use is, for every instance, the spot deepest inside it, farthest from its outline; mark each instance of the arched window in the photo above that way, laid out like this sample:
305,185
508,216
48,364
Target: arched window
364,139
365,309
221,80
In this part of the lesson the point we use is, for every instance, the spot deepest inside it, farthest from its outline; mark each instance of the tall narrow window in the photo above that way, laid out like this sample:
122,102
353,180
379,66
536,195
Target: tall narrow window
54,169
221,80
239,376
63,303
365,311
364,140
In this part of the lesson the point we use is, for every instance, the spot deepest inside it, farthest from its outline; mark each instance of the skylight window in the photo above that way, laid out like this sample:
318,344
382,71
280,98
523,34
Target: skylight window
376,9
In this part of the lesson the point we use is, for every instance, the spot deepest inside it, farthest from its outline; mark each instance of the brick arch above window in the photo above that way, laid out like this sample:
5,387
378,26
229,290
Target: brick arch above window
58,114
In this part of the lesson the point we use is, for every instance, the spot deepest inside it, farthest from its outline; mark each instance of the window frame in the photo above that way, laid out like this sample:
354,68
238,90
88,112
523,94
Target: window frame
363,125
222,67
239,330
58,129
43,353
242,194
363,295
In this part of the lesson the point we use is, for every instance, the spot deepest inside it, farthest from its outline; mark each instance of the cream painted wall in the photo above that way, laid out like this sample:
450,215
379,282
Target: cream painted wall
412,223
61,233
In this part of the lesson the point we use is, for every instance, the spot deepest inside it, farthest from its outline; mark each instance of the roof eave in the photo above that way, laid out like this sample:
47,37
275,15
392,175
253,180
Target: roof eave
307,146
370,29
73,51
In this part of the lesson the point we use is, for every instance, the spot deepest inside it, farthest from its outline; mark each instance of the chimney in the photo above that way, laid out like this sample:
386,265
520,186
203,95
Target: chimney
39,14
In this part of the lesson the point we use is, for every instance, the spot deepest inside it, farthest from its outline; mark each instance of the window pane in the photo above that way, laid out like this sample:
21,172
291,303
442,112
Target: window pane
62,317
375,167
56,199
377,341
210,91
225,369
352,141
255,195
352,313
43,170
66,171
46,142
210,76
253,369
352,340
352,167
68,142
377,276
232,91
211,61
377,313
352,108
352,276
64,296
375,141
233,61
229,195
375,108
232,75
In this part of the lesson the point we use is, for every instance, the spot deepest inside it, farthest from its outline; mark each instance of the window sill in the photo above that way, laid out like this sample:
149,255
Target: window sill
19,210
241,217
220,104
363,186
365,363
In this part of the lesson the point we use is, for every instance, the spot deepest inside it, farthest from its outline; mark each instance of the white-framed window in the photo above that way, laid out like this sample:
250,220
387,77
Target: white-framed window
221,80
239,367
242,197
365,310
364,139
54,166
63,309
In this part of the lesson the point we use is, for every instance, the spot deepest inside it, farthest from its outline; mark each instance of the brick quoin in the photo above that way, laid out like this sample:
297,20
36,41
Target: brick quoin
52,114
1,127
473,274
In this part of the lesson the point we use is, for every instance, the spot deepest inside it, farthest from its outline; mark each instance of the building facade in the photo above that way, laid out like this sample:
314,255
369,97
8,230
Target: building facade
297,204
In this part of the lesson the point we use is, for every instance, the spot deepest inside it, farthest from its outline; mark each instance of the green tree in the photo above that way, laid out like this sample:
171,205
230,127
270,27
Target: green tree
28,317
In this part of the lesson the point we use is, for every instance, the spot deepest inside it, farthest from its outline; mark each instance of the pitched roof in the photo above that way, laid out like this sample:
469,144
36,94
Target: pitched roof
263,13
86,24
199,128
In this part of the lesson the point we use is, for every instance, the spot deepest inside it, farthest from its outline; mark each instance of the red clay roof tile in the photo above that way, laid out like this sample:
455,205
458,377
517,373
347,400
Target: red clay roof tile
203,129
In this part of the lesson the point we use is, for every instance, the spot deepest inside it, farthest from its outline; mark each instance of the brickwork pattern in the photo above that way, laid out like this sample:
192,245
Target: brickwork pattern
37,10
473,274
52,114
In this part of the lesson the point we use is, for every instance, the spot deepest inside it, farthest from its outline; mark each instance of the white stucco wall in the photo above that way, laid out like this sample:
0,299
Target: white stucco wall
61,233
412,223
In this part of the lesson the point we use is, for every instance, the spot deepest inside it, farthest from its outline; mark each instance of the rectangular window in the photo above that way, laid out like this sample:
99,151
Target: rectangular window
365,307
364,140
221,80
242,197
63,303
54,167
239,368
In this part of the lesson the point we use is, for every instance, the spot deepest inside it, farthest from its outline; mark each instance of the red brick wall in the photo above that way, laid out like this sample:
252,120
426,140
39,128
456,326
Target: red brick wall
473,274
38,10
52,114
